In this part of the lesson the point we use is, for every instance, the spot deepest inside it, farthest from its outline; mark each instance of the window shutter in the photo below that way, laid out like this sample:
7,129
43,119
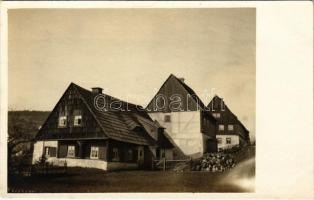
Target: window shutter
63,149
102,152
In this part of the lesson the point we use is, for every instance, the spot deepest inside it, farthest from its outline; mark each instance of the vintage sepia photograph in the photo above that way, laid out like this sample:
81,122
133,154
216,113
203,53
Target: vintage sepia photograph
131,100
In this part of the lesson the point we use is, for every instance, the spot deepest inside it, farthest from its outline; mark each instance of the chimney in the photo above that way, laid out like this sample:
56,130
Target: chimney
97,90
181,79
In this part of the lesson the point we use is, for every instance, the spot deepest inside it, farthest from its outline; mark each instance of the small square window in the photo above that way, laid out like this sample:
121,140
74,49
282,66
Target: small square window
78,120
167,118
219,141
62,121
216,115
228,140
221,127
94,152
71,151
230,127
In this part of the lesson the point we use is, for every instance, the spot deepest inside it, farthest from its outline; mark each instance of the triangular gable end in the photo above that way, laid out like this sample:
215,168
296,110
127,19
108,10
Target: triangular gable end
170,92
71,103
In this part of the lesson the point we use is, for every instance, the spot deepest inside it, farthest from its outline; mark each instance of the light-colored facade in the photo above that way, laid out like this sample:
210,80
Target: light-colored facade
227,141
184,130
39,150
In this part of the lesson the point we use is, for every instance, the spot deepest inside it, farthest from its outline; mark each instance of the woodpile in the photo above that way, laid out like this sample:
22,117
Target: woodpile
214,162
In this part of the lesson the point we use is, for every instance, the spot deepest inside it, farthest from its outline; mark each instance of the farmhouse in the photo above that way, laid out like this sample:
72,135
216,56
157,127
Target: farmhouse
177,108
231,132
82,135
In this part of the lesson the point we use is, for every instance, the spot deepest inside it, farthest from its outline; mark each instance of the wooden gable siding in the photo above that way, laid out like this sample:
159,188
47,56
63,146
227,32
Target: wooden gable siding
217,105
171,88
69,104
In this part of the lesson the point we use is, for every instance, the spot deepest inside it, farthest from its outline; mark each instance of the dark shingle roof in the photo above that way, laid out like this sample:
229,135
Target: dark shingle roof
191,92
230,117
117,125
172,87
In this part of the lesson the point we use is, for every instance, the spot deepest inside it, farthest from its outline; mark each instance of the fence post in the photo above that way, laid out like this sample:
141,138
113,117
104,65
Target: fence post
190,162
164,164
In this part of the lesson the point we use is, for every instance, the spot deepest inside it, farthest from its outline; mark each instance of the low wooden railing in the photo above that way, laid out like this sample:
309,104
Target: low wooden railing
165,164
29,170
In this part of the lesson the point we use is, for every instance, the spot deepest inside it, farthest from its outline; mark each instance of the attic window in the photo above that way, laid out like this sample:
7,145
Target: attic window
62,121
167,118
78,120
221,127
230,127
216,115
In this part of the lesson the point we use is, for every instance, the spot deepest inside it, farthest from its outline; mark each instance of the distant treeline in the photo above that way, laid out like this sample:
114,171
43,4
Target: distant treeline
28,120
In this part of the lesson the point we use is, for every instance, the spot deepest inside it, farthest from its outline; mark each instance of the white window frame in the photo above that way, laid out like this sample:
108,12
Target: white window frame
230,127
62,121
228,138
94,152
47,151
71,148
76,120
221,127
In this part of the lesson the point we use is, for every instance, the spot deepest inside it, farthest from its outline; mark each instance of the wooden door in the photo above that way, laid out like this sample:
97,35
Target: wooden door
140,157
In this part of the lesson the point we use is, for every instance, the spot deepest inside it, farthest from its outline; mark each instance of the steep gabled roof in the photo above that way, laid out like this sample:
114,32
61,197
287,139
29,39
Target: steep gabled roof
217,105
116,125
174,86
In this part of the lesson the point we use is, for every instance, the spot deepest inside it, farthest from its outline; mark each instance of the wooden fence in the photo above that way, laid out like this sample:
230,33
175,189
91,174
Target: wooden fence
29,170
164,164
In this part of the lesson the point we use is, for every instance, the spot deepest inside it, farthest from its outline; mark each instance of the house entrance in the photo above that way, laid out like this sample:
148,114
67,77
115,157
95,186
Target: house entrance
140,156
211,146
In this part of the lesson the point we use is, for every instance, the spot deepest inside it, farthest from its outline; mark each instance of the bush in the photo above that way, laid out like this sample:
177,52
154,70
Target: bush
214,162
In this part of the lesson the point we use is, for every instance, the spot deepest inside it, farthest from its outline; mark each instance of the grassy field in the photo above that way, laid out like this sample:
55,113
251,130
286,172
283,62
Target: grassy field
239,179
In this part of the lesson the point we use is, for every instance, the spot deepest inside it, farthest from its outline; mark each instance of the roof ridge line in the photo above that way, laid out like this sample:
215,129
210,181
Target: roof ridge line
88,107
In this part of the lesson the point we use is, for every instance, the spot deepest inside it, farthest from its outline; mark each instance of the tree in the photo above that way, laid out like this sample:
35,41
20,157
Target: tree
20,136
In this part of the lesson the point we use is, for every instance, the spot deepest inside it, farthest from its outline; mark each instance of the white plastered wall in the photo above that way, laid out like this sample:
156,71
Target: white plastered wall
223,145
39,147
184,130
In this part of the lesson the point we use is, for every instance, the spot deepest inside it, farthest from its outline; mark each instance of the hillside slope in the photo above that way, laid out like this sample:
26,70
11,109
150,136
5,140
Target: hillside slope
27,121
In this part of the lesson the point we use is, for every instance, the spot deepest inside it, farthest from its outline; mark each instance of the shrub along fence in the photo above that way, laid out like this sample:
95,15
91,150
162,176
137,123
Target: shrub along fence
29,170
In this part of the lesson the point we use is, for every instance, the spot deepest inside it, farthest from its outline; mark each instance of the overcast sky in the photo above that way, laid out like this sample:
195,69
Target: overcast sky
131,52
